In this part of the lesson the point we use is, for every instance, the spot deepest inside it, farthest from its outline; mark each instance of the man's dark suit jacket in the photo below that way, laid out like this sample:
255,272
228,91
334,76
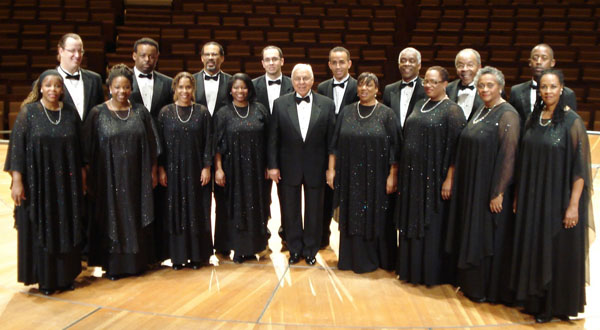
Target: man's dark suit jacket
262,96
392,94
350,94
299,160
161,93
92,92
452,92
520,99
221,94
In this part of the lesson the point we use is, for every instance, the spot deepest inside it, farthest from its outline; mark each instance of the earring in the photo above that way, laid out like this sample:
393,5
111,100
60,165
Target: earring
561,92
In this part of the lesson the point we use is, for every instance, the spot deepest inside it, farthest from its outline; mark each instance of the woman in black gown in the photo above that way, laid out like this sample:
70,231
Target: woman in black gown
481,219
45,162
363,171
121,154
425,180
552,204
240,167
186,131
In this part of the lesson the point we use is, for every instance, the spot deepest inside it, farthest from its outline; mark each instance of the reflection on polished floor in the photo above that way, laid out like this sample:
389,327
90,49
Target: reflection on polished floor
266,293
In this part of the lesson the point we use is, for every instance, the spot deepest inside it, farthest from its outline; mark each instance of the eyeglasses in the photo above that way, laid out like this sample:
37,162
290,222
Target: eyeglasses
430,82
466,65
211,55
76,51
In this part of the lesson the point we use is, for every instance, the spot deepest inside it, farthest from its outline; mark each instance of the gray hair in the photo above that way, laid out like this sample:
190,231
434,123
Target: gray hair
304,66
408,50
476,53
493,71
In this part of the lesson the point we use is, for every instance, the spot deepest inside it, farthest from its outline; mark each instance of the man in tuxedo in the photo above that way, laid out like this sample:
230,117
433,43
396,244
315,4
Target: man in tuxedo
211,82
83,88
150,87
269,87
300,131
462,90
402,95
524,95
342,90
273,83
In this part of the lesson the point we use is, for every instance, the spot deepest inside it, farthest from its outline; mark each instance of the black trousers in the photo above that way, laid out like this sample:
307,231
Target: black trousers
302,240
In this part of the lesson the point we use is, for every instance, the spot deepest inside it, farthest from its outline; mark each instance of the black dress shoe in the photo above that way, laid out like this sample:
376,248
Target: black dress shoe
310,260
113,277
178,266
477,300
294,258
46,291
238,259
543,318
195,265
69,287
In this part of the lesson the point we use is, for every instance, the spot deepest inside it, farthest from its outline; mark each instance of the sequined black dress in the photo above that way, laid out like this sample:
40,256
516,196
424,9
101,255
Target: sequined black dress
549,261
365,148
484,169
120,155
242,145
187,148
428,150
49,220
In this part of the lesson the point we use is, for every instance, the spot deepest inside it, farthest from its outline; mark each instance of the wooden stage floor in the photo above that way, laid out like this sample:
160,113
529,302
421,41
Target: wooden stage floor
262,294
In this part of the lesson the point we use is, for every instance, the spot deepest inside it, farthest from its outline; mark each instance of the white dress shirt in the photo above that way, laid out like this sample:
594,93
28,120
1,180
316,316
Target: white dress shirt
465,98
338,93
75,88
146,87
273,90
211,90
405,96
532,94
304,110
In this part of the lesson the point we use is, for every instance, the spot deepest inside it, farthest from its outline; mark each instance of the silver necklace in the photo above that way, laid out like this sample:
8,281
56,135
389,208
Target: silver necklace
117,111
179,117
549,120
477,119
48,116
367,116
435,106
238,113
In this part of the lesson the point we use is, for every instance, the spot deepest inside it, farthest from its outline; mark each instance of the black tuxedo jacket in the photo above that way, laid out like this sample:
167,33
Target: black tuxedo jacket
520,99
299,160
350,94
92,92
161,93
221,94
392,94
452,92
262,96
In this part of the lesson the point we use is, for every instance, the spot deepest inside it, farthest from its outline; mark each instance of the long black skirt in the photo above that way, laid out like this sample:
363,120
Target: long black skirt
188,247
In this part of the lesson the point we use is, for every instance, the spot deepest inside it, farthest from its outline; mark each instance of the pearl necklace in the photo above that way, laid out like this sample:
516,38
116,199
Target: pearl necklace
477,119
48,116
435,106
179,117
117,111
367,116
238,113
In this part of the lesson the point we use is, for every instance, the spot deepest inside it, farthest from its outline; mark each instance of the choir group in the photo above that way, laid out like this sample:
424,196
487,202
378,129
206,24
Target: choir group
442,182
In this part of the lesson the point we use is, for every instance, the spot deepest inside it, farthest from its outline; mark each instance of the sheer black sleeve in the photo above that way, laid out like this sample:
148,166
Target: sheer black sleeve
15,157
508,141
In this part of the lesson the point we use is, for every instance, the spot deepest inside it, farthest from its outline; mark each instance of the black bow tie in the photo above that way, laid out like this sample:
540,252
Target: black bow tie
300,99
534,86
215,78
72,76
410,84
149,75
461,87
339,85
275,82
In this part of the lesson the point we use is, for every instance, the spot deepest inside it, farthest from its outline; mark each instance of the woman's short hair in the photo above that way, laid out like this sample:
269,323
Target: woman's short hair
441,70
119,70
366,78
494,72
246,79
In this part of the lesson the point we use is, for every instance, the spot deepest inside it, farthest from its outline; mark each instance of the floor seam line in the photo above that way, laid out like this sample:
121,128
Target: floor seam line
83,317
273,294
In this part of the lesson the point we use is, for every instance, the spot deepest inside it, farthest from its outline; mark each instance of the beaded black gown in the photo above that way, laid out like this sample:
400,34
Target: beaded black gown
241,139
365,144
49,220
430,138
484,167
186,137
120,150
549,262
